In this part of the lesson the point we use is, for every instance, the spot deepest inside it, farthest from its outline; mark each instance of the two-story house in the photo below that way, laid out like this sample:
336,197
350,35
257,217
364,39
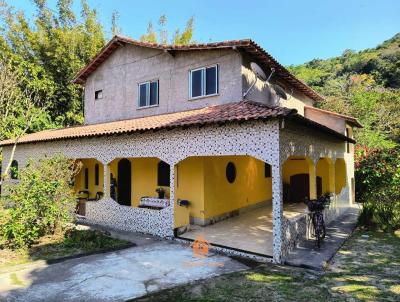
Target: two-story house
231,155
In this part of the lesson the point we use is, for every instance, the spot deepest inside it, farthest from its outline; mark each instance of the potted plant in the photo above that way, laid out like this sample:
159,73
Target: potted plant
161,192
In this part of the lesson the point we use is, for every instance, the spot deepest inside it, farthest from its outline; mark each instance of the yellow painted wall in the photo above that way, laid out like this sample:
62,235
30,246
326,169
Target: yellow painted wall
80,178
322,170
143,179
202,181
190,185
250,186
340,175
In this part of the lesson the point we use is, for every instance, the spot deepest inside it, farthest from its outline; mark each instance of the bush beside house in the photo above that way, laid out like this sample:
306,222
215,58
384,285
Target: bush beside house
41,203
378,187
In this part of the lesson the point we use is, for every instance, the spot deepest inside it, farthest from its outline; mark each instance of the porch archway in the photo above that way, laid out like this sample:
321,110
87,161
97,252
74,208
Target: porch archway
299,179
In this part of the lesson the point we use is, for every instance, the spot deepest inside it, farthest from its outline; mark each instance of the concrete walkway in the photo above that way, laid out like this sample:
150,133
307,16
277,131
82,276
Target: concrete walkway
151,266
249,231
307,255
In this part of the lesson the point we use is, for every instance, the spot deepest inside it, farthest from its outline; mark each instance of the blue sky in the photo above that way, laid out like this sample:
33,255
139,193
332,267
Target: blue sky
292,31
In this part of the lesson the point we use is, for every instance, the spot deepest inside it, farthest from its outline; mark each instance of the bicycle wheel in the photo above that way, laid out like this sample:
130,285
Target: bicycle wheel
318,238
323,231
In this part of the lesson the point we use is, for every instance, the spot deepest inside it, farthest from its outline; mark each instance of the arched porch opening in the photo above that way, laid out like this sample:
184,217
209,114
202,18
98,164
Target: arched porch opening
140,182
325,180
225,199
298,177
340,176
89,183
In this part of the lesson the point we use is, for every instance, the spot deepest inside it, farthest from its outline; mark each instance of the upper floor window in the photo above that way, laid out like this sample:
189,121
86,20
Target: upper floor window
98,94
203,81
148,94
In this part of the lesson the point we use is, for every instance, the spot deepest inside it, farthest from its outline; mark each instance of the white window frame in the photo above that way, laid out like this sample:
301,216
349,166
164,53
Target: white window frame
98,90
203,81
148,94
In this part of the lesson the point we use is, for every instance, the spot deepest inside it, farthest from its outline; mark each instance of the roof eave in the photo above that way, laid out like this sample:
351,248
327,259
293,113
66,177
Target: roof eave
318,126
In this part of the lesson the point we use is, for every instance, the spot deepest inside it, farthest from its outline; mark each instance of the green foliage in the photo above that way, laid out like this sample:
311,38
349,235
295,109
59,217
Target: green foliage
179,38
90,240
48,51
41,203
378,187
363,84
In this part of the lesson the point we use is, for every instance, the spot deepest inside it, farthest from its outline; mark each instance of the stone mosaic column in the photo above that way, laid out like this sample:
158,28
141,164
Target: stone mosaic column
106,183
313,178
277,211
172,172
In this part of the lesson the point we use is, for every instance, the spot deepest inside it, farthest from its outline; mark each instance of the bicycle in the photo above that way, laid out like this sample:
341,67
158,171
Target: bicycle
316,207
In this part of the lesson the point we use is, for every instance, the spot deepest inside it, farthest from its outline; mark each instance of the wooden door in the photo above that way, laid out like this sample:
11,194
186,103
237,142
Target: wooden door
299,187
124,182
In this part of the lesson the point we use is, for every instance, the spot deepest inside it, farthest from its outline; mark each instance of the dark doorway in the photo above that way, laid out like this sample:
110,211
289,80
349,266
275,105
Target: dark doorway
319,186
299,187
124,182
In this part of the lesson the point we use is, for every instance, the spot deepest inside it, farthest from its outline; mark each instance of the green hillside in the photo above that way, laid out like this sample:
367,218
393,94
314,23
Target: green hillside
365,84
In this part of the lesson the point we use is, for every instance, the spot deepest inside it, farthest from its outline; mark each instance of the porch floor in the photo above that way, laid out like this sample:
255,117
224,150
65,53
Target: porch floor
249,231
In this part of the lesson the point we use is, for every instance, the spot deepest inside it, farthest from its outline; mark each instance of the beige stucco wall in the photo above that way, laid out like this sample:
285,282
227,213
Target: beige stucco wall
130,65
261,92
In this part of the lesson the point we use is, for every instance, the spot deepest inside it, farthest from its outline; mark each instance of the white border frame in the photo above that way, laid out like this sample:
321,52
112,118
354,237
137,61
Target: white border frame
98,99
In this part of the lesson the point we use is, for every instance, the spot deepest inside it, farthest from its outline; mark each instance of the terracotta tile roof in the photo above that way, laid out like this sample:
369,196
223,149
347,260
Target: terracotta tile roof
350,119
232,112
263,58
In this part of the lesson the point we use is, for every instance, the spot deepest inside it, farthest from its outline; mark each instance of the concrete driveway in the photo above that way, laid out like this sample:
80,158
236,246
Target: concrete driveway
114,276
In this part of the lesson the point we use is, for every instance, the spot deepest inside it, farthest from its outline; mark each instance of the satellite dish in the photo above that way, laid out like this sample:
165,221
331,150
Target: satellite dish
258,71
280,91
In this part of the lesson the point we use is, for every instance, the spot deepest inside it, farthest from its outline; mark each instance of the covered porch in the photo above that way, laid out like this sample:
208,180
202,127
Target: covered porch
237,212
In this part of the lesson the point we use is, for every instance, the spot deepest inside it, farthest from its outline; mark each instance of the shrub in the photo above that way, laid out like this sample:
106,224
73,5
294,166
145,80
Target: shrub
88,239
42,202
378,187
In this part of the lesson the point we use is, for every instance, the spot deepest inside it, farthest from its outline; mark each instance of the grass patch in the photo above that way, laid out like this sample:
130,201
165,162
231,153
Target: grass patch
365,269
73,242
15,281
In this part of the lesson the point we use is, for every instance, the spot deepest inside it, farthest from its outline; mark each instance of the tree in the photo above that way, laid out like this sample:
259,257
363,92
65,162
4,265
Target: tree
363,84
49,53
21,110
115,30
184,38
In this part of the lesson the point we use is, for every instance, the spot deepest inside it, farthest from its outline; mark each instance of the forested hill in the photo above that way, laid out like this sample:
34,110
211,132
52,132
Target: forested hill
364,84
381,62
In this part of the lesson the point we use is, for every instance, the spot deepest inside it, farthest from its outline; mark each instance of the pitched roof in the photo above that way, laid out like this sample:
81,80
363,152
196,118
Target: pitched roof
246,45
349,119
232,112
218,114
